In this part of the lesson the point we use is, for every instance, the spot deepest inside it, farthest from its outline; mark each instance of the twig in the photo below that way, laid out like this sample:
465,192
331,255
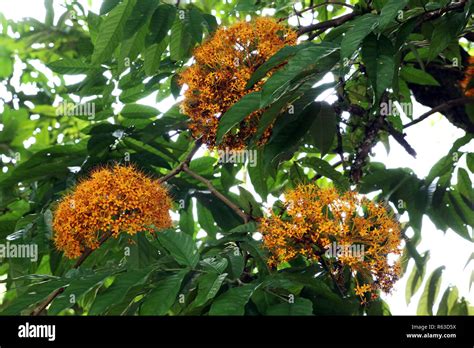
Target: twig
335,22
400,138
42,306
430,15
245,217
186,161
327,24
447,105
371,132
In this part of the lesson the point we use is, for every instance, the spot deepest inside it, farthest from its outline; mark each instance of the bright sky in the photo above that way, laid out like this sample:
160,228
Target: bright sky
431,139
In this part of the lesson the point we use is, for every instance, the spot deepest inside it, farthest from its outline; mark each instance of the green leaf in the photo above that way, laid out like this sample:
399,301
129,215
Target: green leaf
49,20
258,176
217,265
180,40
162,297
323,168
206,221
233,301
309,63
464,185
107,6
300,306
111,31
465,211
360,28
425,306
390,10
278,58
460,307
71,66
236,262
50,162
248,227
470,161
77,288
138,111
186,220
323,130
196,22
417,76
448,300
416,278
117,292
240,110
248,203
160,23
181,246
288,133
33,295
147,152
153,57
378,55
208,286
445,32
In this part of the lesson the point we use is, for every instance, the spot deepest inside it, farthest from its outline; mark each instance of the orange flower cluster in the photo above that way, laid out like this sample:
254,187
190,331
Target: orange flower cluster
117,199
316,220
468,76
218,78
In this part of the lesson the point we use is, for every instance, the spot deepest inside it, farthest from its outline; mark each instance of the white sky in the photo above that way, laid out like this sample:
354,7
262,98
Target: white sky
431,139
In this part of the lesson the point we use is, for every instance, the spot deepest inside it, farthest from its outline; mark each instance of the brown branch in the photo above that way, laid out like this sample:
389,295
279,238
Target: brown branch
430,15
371,133
335,22
42,306
186,162
400,138
327,24
444,106
245,217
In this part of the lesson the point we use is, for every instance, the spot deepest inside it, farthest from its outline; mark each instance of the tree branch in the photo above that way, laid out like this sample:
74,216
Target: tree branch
371,133
400,138
245,217
327,24
444,106
430,15
42,306
186,162
335,22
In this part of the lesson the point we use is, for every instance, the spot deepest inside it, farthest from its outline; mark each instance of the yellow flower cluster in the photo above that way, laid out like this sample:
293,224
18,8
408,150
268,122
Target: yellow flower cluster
114,200
316,219
218,78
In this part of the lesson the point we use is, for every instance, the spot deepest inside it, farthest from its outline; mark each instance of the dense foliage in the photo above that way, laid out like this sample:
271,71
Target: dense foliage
378,52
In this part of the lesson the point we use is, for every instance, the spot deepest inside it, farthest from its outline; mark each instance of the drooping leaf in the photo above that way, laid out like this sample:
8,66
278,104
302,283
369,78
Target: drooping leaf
428,298
162,297
181,246
111,30
233,301
360,28
240,110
